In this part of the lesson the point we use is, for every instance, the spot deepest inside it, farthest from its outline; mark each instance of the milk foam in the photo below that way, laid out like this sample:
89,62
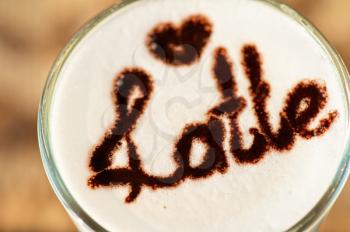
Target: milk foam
270,196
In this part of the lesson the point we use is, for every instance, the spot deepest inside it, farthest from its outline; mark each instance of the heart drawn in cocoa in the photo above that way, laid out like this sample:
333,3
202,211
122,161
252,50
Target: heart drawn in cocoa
183,44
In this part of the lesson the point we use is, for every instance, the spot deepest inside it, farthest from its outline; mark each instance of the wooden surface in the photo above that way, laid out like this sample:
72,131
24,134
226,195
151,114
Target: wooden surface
31,34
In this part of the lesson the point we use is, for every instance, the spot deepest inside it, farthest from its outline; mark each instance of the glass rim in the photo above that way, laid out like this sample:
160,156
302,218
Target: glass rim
313,217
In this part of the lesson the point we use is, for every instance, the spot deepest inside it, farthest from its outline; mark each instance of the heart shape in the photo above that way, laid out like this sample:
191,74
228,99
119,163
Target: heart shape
180,45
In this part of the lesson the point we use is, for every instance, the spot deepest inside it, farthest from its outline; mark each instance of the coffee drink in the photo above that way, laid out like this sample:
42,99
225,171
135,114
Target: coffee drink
198,115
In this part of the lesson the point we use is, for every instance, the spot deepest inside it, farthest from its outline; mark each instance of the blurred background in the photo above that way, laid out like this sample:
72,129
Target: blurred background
32,32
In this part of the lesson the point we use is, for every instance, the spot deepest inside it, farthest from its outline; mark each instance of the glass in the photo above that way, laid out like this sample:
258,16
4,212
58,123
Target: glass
84,222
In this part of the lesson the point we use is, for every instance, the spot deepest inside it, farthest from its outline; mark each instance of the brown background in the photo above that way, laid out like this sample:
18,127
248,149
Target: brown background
31,34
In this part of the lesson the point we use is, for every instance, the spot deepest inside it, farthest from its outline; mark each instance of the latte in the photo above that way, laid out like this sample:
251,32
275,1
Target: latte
198,115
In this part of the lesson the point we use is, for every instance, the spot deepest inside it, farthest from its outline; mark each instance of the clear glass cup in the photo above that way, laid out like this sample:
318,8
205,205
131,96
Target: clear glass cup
310,222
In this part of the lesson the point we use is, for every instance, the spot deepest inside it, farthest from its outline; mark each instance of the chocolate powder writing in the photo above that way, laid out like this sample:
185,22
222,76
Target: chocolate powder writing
302,105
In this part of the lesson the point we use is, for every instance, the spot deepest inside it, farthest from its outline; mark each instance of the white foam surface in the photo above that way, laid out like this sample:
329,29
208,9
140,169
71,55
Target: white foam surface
270,196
